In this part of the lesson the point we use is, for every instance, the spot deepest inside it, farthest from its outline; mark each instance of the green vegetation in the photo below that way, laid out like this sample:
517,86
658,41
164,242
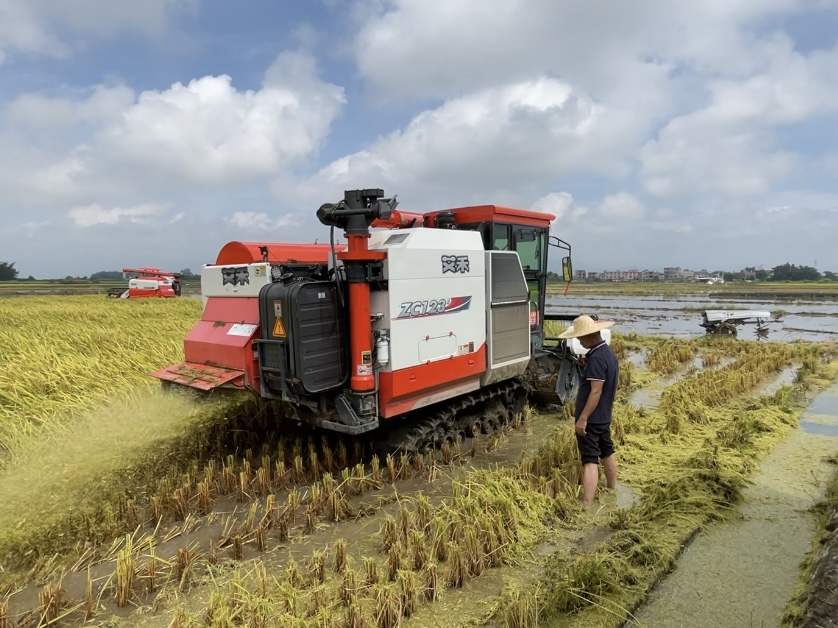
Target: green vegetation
8,272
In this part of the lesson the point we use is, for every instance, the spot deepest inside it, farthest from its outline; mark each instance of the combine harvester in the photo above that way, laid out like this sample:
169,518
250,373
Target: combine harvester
144,283
423,329
725,322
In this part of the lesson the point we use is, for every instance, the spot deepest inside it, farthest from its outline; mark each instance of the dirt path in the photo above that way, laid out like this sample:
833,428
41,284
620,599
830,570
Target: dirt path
741,573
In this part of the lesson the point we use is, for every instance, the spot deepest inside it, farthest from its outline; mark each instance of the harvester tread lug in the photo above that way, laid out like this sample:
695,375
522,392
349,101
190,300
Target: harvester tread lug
479,413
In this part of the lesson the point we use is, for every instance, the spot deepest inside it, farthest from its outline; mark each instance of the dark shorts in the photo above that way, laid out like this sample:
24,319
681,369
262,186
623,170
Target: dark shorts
596,443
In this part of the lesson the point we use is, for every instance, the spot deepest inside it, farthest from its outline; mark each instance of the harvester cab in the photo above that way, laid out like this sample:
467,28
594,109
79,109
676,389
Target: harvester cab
421,329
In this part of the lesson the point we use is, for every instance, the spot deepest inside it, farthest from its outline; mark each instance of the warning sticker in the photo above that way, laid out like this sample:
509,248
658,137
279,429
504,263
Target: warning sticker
241,329
278,308
279,329
362,369
366,357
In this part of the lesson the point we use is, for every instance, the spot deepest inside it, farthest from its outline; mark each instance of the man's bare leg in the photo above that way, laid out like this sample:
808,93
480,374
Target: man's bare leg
590,479
610,465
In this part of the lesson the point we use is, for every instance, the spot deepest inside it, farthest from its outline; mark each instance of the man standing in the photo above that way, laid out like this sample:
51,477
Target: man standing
594,404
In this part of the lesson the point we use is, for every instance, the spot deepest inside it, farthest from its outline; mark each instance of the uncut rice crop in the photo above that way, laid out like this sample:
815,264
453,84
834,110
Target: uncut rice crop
61,356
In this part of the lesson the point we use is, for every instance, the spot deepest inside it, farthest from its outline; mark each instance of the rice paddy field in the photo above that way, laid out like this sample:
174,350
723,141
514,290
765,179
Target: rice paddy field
121,505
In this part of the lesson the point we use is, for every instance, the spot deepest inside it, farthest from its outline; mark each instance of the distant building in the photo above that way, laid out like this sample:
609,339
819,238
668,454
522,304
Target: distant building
671,273
676,273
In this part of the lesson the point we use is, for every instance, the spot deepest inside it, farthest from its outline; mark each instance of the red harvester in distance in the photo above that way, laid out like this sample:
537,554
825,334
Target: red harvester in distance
144,283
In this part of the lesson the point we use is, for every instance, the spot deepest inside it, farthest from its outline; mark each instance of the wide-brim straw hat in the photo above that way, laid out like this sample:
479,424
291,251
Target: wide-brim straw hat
583,326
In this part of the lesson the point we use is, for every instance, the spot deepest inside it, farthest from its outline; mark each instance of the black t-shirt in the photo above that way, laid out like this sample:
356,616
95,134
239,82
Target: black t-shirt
601,364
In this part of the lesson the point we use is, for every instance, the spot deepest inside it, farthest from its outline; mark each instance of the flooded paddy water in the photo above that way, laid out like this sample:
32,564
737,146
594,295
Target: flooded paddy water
679,316
743,572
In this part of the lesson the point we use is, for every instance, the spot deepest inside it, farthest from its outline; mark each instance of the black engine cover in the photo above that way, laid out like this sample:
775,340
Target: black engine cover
307,351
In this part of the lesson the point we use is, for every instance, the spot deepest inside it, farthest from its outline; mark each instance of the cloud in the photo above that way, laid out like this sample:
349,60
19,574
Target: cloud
209,132
613,213
659,132
53,29
91,107
502,139
260,221
420,49
730,147
107,144
95,214
673,227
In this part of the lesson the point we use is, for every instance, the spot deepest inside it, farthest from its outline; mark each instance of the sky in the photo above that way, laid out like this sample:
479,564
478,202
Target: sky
658,132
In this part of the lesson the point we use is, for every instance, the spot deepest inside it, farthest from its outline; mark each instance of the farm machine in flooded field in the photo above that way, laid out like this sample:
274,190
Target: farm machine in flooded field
422,329
725,323
144,283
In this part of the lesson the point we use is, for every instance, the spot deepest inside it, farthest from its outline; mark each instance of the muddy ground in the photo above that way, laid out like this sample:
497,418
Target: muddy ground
822,591
220,542
817,604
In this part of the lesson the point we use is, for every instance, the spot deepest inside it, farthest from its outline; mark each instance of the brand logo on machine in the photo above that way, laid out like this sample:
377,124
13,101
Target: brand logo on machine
454,264
417,309
236,275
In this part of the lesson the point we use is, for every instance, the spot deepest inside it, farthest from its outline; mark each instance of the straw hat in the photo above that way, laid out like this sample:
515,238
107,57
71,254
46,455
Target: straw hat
583,326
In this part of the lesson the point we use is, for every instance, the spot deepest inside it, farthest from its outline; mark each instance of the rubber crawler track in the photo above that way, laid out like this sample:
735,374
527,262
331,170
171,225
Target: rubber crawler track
481,412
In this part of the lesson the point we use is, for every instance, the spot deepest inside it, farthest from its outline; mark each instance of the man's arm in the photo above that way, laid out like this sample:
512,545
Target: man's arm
590,406
596,372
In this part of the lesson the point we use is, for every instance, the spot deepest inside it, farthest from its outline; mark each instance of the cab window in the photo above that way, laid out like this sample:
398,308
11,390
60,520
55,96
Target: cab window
530,248
501,242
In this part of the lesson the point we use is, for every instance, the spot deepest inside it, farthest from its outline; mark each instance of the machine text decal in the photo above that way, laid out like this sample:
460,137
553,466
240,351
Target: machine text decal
455,264
416,309
236,275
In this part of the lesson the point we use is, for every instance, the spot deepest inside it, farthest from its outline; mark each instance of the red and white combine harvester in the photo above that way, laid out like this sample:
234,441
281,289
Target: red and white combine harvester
147,283
423,329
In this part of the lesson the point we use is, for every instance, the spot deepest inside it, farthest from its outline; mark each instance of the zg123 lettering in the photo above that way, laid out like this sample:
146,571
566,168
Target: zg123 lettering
412,309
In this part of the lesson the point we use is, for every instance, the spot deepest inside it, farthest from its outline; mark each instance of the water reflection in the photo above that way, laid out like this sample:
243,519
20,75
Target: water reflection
680,316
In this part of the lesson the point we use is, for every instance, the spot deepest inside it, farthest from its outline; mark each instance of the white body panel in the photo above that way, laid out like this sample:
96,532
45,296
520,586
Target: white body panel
435,305
238,280
147,284
717,316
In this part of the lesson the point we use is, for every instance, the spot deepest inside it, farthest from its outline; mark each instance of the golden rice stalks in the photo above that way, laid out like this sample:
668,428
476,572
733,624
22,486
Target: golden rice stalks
92,348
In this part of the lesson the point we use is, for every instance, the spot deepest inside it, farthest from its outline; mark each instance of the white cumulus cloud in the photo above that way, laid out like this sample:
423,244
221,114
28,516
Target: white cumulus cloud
95,214
46,27
260,221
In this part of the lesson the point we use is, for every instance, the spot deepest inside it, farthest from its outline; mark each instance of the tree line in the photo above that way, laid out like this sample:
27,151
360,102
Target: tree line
8,272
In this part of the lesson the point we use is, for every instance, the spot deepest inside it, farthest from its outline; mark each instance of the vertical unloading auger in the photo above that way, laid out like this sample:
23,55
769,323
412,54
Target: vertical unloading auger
355,214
